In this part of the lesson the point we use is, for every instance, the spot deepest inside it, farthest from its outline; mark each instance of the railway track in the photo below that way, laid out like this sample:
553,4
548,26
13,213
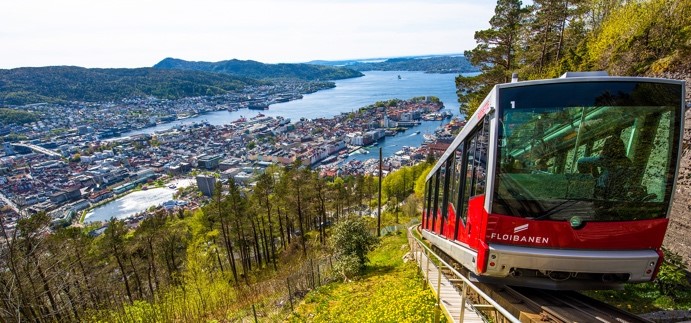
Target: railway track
539,305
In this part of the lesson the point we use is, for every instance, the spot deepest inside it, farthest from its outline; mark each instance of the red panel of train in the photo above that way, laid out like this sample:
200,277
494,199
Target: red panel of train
563,184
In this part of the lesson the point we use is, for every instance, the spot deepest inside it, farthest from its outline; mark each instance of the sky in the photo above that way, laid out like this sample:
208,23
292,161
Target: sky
140,33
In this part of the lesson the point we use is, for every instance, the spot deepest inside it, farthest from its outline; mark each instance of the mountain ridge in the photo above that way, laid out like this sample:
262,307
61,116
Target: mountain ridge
26,85
258,70
453,63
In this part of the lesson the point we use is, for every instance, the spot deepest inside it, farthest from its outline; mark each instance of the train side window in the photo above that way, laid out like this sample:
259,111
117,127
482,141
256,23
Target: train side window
456,180
435,198
474,165
442,190
480,168
468,175
428,203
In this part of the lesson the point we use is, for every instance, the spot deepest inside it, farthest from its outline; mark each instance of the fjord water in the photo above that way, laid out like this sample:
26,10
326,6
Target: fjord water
348,95
352,94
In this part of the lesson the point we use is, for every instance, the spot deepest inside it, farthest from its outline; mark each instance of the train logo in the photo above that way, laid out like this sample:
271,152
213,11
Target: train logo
520,228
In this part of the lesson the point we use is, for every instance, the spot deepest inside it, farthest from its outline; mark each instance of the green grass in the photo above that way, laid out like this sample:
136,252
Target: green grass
643,298
389,291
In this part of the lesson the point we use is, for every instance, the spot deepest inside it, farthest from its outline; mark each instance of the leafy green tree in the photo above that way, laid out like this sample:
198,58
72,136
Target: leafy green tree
113,244
351,240
497,46
237,214
644,36
420,181
495,54
471,90
12,116
73,244
30,240
337,187
547,25
217,214
298,180
596,11
262,196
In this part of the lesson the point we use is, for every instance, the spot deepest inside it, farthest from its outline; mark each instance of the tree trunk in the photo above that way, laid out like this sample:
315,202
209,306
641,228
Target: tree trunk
89,289
136,278
46,289
229,250
257,252
271,232
124,274
301,220
280,228
265,240
152,265
243,250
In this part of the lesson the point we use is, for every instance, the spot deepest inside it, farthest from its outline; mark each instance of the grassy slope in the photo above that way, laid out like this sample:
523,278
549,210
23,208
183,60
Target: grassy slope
390,291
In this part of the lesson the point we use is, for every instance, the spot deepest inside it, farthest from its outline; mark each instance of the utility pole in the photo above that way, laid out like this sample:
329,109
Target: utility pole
379,211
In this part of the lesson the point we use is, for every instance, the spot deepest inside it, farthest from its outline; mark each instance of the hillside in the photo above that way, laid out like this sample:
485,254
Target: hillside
444,64
677,238
257,70
70,83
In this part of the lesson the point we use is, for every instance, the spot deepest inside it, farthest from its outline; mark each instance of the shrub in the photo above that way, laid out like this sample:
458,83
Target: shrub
350,241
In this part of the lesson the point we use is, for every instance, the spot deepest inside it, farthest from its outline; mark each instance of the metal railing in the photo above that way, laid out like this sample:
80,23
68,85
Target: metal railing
488,305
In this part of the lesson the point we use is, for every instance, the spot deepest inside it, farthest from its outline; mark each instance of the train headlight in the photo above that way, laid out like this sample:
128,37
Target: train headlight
576,222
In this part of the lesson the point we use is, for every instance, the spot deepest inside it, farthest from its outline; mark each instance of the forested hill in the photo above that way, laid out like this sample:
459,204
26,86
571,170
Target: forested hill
257,70
442,64
70,83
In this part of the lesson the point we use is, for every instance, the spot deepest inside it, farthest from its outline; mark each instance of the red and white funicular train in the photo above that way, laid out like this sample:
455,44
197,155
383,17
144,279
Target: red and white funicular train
562,184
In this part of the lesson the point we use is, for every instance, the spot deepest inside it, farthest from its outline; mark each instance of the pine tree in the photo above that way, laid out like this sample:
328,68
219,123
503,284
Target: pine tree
495,53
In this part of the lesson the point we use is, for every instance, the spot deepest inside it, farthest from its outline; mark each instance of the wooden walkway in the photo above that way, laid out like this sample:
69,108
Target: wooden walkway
450,297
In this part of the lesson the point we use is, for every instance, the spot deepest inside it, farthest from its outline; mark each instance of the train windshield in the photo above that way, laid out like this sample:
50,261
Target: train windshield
599,151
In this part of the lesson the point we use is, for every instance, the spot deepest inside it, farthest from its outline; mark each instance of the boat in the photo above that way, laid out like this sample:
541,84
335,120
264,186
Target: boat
258,106
329,159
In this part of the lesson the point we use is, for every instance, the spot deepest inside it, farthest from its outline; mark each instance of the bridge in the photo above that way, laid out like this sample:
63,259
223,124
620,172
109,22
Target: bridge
10,203
39,149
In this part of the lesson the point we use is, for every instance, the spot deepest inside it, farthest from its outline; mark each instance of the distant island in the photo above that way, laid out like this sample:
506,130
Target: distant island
257,70
428,64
